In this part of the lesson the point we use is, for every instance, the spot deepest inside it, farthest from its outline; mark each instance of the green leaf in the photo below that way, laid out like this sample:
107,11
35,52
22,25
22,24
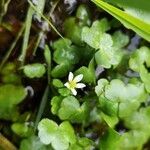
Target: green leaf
93,35
139,57
138,135
65,52
47,130
83,14
119,100
119,92
33,143
67,130
57,83
119,39
108,107
145,77
88,73
133,139
11,78
73,30
131,22
56,102
108,54
10,97
36,70
8,68
139,120
64,91
110,120
99,89
82,143
70,109
58,136
61,70
22,129
110,140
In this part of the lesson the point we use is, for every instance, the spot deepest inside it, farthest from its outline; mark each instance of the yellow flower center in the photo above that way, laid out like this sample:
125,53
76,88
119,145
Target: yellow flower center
72,84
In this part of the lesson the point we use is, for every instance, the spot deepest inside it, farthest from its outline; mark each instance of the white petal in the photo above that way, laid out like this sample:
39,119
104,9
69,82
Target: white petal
67,85
80,85
78,78
74,92
70,77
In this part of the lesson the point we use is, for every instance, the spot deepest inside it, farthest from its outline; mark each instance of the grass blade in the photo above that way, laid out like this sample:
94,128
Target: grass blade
140,27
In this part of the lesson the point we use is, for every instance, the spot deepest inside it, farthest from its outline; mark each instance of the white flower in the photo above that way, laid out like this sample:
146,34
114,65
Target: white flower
72,83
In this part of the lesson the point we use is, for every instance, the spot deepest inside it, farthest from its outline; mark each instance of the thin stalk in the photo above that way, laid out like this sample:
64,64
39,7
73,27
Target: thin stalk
5,144
4,7
26,35
47,54
37,42
52,26
53,7
40,7
11,48
1,11
42,107
42,31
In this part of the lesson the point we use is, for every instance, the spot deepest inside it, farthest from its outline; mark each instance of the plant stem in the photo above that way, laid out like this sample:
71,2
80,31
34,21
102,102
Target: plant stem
42,107
52,26
37,42
5,144
26,35
48,59
11,48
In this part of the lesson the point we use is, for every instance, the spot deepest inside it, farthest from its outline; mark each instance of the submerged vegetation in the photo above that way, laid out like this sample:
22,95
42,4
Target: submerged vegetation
73,77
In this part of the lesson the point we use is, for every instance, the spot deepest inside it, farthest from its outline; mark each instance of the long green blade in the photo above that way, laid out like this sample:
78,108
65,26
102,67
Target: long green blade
140,27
